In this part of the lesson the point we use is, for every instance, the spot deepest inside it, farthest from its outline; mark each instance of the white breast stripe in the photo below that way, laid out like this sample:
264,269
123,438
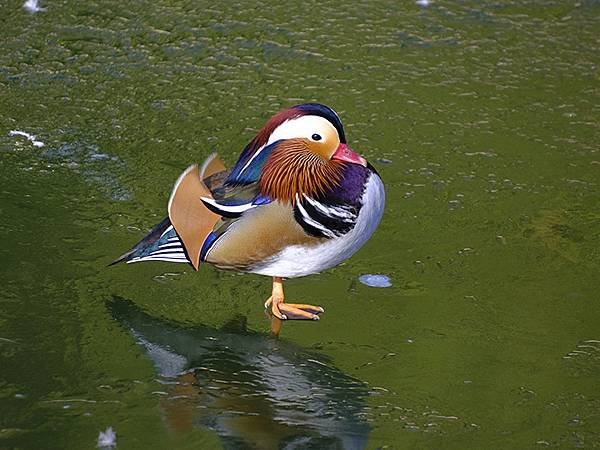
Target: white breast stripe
332,211
310,221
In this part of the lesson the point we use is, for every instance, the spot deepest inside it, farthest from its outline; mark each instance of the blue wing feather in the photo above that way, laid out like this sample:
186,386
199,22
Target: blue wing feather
249,167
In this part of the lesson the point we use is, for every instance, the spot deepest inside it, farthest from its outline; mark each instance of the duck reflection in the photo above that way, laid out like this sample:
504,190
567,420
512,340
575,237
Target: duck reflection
253,391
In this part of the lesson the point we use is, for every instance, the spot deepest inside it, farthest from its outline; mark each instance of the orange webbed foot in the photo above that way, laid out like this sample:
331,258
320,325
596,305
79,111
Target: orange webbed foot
292,311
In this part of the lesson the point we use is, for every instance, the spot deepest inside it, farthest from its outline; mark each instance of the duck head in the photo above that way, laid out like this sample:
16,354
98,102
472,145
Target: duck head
301,149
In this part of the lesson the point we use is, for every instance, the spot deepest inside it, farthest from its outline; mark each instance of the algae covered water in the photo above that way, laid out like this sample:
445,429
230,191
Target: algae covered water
483,121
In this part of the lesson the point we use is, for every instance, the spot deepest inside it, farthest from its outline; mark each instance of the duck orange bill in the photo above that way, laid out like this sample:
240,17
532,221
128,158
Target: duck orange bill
345,153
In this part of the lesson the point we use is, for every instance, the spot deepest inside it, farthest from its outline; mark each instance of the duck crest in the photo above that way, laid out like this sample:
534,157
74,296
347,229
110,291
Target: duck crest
259,142
293,170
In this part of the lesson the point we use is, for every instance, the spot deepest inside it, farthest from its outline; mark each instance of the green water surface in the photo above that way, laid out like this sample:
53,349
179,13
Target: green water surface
483,119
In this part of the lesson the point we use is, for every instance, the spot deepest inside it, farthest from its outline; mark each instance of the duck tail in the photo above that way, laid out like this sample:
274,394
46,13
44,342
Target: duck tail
160,244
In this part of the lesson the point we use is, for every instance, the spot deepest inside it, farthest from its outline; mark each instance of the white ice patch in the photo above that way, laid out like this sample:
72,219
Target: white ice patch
107,438
28,136
375,280
33,6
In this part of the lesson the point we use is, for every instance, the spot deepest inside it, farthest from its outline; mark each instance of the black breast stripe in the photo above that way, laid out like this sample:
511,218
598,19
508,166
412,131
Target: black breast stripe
325,220
309,228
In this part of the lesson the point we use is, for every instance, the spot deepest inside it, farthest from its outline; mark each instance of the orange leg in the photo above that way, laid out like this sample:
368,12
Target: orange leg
284,311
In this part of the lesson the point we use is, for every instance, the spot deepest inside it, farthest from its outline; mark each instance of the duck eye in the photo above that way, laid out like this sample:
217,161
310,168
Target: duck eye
316,137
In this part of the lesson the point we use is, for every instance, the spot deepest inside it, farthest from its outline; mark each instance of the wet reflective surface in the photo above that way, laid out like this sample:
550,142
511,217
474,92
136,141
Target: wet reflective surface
483,121
251,390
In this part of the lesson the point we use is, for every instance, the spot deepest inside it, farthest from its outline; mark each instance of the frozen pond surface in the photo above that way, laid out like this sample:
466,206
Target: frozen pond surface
483,121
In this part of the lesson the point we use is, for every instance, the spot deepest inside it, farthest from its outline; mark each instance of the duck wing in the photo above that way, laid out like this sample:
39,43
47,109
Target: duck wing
179,237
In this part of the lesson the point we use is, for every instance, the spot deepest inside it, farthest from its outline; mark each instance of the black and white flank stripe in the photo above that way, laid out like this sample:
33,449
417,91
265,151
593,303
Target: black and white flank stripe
167,248
161,244
322,219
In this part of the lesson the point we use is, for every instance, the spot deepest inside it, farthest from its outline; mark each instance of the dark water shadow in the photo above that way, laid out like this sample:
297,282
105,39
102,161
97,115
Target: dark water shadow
252,390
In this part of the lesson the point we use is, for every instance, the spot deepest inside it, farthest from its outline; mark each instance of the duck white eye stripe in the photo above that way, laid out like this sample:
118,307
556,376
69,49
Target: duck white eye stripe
297,127
310,221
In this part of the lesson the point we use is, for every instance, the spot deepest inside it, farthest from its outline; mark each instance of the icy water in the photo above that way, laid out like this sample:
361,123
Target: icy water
483,120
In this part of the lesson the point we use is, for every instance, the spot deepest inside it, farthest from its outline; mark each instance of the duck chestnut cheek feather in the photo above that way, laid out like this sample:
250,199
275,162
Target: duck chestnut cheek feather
292,169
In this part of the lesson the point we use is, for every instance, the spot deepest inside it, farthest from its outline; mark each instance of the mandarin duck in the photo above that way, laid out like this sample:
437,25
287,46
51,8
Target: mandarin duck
298,201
